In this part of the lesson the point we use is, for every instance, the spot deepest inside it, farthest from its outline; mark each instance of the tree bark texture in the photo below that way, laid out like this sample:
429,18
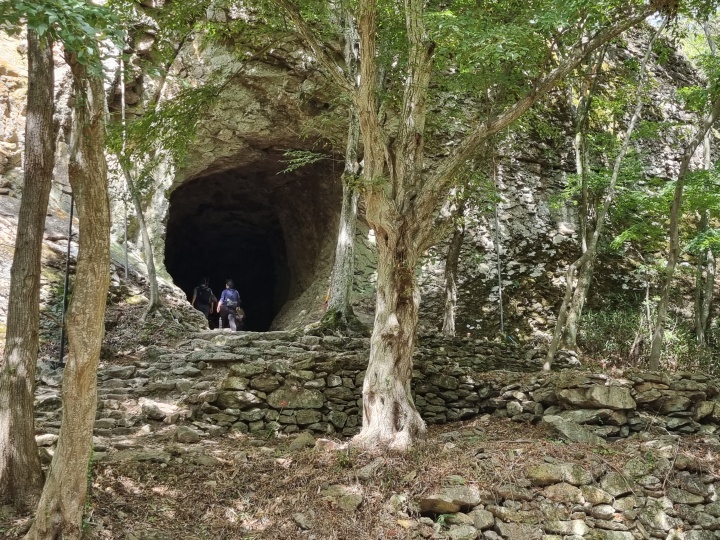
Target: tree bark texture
658,337
390,418
705,274
60,509
21,477
451,276
339,309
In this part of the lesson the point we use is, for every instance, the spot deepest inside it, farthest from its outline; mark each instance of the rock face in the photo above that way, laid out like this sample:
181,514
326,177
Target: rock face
230,211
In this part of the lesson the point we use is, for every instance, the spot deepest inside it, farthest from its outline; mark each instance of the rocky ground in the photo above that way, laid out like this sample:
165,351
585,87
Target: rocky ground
167,464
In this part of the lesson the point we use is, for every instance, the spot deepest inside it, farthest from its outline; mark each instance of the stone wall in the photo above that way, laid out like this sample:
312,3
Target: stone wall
281,382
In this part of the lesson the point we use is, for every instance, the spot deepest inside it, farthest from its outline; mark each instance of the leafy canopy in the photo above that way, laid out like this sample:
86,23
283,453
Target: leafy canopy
80,25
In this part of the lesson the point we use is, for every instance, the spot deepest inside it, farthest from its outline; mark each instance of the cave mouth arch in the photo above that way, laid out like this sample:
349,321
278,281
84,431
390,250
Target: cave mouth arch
262,229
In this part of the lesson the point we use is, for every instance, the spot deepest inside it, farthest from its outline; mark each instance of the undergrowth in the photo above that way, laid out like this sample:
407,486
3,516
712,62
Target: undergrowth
621,338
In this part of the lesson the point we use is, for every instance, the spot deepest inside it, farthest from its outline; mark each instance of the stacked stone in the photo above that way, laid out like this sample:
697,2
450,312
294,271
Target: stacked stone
285,382
557,500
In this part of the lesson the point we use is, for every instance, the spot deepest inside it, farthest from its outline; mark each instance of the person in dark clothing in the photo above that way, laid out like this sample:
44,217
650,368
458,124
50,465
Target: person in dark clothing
227,306
203,298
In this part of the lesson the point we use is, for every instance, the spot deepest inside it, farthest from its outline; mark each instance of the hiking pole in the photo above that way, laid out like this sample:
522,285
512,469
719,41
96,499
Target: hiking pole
65,288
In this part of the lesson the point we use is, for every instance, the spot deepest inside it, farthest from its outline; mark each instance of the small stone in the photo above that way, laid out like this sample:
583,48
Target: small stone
185,434
304,440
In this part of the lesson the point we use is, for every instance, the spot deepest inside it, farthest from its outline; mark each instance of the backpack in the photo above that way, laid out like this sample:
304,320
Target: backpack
203,295
232,299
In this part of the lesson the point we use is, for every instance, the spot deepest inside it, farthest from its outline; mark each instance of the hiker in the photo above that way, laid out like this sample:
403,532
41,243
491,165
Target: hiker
203,298
227,306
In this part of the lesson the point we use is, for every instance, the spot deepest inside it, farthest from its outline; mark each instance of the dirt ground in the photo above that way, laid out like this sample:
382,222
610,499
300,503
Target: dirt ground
240,487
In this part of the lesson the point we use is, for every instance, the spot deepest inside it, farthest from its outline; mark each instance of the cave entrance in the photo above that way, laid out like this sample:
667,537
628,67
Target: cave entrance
266,231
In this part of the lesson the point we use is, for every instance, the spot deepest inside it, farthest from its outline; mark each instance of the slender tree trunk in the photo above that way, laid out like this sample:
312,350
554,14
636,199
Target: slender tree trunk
339,311
21,476
154,302
700,283
705,275
577,303
674,248
147,244
591,250
60,510
451,275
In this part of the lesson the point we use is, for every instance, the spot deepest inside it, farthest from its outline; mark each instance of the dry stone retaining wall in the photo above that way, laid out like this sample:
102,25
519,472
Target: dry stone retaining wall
281,382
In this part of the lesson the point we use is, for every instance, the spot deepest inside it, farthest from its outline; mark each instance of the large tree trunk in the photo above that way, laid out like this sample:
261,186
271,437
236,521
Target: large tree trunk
390,418
674,248
451,275
60,509
21,476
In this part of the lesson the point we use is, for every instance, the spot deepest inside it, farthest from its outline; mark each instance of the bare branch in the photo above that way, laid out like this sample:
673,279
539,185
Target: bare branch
333,69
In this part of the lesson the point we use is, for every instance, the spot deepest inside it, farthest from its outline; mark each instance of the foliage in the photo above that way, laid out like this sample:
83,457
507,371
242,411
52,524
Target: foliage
79,24
607,335
297,159
164,133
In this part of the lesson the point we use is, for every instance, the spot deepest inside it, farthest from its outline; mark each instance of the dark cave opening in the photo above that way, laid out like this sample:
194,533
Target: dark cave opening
262,229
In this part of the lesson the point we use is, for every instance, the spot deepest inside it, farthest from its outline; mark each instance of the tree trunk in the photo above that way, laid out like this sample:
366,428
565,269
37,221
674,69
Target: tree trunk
582,165
60,509
390,418
584,278
705,275
147,245
21,477
700,283
451,275
658,337
339,307
591,250
154,302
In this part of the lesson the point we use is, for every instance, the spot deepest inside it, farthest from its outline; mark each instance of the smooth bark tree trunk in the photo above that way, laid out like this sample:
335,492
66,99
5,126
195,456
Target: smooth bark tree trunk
584,279
582,165
21,476
705,272
589,255
60,510
154,302
658,337
339,309
451,276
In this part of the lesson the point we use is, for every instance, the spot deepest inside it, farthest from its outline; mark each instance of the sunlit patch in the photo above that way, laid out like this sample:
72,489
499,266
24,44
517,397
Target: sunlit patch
129,485
165,491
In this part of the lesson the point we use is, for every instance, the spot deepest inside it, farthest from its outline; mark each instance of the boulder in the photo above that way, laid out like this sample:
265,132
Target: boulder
572,431
599,397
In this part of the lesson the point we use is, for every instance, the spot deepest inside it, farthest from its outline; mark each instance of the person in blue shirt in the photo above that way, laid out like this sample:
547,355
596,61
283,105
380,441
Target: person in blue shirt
227,306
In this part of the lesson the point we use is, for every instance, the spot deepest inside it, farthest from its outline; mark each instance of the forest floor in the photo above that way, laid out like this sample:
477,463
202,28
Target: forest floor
240,487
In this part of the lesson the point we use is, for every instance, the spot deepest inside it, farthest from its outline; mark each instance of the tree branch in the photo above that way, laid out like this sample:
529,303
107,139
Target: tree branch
445,171
333,69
